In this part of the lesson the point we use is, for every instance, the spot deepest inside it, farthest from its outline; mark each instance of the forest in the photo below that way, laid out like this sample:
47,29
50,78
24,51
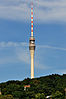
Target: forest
46,87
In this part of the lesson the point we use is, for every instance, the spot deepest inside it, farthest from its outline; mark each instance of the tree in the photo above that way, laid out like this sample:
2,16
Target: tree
57,95
40,96
6,97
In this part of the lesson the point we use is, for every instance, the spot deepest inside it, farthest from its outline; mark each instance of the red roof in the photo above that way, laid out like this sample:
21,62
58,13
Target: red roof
27,86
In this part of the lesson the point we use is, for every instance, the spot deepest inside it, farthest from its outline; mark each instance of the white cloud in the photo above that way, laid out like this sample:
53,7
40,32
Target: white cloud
51,47
44,10
24,44
9,53
17,52
12,44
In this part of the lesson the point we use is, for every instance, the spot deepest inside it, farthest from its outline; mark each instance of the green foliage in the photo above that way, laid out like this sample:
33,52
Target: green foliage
40,96
39,88
58,95
6,97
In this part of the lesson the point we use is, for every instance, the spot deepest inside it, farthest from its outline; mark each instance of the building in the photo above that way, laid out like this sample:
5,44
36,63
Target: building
26,87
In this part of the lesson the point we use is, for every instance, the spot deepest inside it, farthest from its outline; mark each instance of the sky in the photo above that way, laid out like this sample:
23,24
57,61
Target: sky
49,32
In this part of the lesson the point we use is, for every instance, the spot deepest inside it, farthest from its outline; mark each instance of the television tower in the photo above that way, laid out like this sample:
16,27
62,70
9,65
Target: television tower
32,44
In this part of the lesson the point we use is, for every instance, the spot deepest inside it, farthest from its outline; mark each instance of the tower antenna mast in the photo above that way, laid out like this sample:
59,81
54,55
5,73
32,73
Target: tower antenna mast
32,19
32,43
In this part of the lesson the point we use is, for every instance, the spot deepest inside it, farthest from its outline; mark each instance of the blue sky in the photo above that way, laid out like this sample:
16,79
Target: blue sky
49,32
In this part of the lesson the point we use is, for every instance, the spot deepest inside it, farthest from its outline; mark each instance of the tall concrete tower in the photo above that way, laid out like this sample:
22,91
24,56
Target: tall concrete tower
32,44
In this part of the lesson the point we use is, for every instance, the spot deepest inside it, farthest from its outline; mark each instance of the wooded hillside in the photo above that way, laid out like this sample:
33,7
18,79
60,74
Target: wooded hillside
52,85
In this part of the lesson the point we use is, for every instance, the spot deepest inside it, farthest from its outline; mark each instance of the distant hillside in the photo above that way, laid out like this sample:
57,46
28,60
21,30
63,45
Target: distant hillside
39,88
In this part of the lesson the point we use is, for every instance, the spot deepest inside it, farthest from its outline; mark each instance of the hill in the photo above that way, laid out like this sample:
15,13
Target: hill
38,88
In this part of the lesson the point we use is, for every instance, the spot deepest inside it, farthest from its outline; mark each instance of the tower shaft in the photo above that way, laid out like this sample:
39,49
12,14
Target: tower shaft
32,63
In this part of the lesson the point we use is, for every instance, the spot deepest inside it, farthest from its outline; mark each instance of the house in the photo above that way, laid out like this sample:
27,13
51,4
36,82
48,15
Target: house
26,87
